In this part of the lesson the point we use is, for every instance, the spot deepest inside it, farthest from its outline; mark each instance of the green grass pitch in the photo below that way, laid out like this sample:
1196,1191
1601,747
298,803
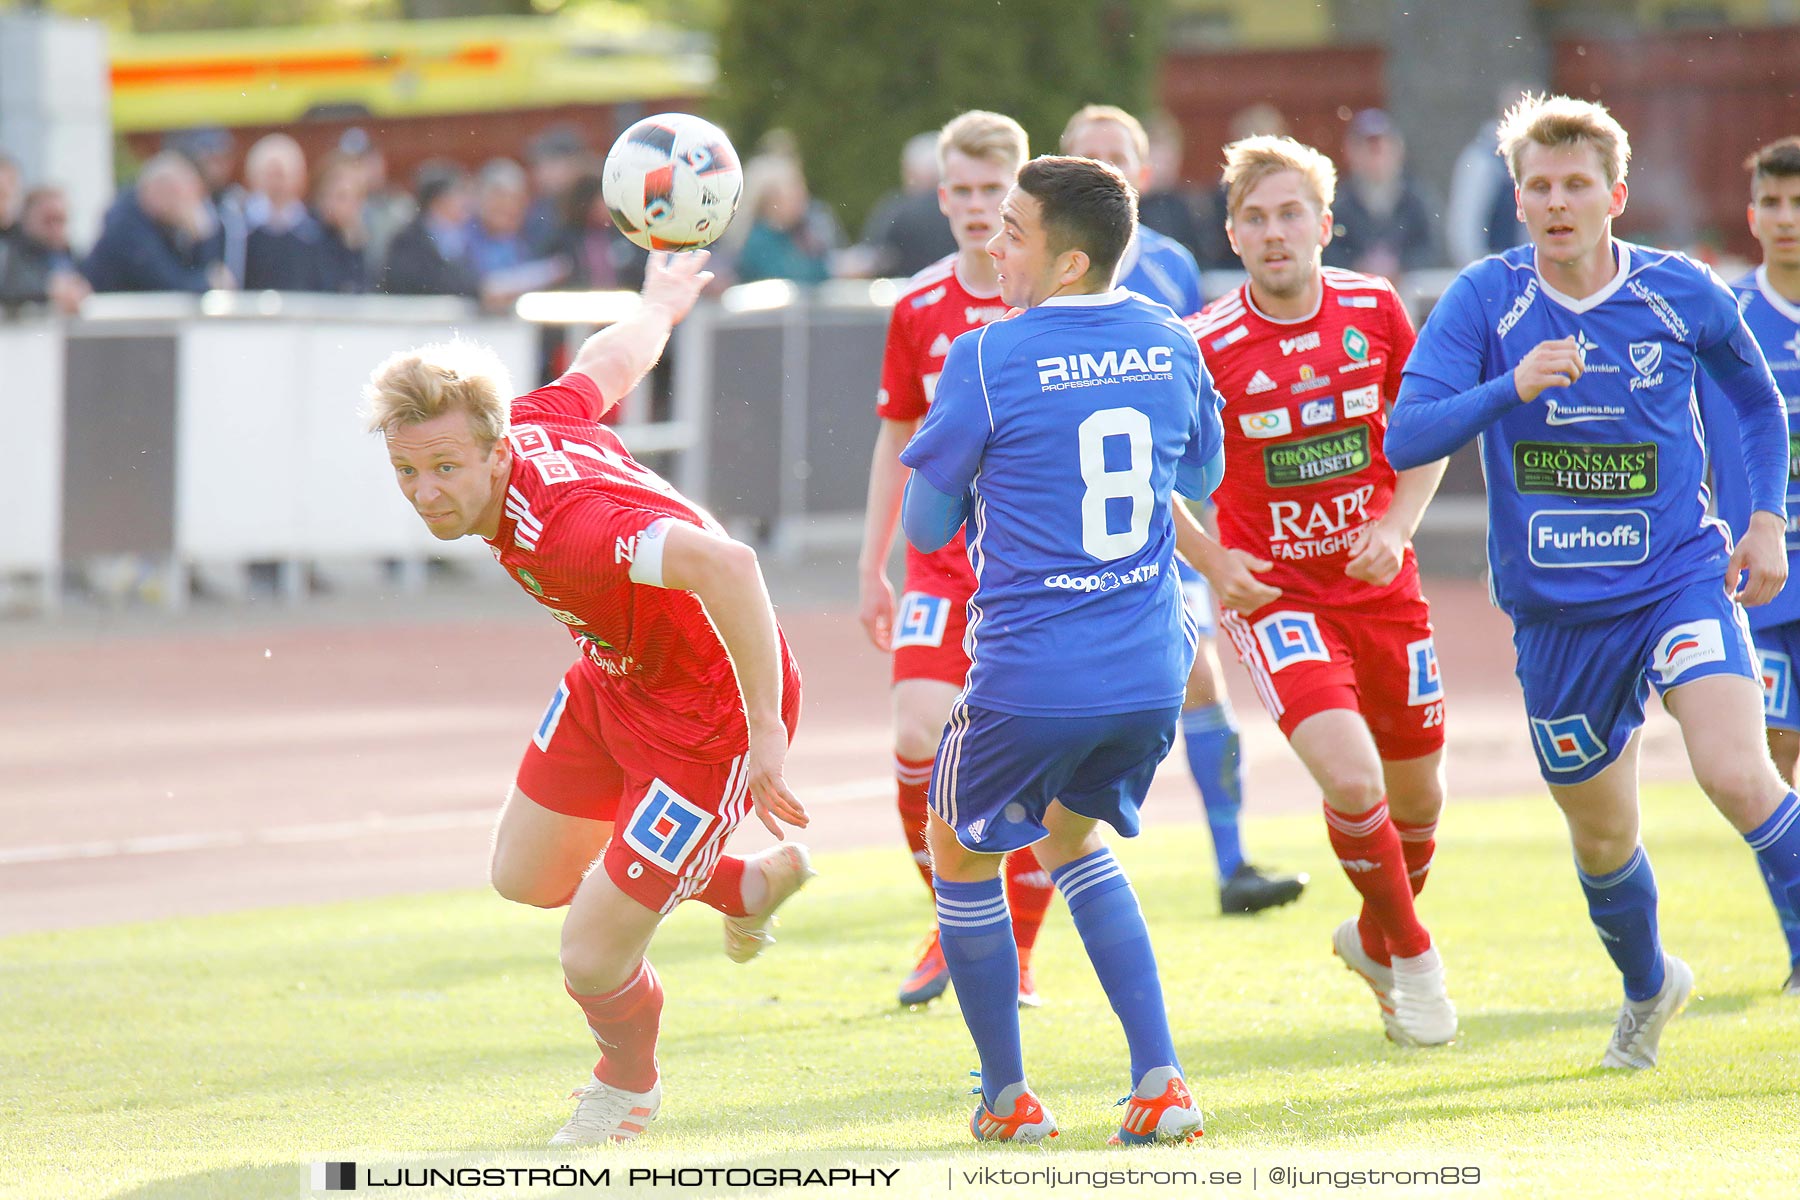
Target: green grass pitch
218,1056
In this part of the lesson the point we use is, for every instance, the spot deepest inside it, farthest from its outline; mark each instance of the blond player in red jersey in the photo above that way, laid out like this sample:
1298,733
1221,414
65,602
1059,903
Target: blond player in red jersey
1314,562
674,721
979,155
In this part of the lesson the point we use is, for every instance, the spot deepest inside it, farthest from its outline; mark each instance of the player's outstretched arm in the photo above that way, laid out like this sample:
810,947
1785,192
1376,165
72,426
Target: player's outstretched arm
887,481
726,577
617,357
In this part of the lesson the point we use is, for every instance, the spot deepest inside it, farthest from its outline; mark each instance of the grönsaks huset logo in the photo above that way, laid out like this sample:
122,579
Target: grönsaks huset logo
1617,472
1292,464
1594,537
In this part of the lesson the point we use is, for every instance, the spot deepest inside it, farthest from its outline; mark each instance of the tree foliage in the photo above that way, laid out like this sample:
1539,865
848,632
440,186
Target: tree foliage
852,80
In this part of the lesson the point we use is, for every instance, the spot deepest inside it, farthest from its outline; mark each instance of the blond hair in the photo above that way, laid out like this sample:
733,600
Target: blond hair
414,386
1250,160
989,136
1564,121
1140,140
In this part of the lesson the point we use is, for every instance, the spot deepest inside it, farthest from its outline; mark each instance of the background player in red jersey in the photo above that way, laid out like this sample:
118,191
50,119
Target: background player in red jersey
979,155
1316,568
675,719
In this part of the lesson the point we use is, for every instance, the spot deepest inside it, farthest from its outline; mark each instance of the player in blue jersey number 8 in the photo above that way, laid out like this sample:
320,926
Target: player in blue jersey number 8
1574,359
1060,435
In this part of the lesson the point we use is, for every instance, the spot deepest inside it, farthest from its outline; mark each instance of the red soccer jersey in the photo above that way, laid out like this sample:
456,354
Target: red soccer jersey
575,505
1305,416
935,310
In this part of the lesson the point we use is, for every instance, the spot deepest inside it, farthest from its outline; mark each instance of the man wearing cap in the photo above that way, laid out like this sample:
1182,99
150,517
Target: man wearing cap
1384,219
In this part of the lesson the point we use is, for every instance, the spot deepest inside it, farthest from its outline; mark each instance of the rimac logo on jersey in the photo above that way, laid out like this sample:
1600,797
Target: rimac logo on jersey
1687,646
1313,459
921,620
1646,357
1363,401
1594,537
1305,341
1318,412
1778,684
1290,637
667,828
1564,469
1423,683
1259,383
1273,422
1566,743
1087,370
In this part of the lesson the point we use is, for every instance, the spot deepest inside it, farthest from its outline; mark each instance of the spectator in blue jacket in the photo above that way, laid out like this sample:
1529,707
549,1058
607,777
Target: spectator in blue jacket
156,236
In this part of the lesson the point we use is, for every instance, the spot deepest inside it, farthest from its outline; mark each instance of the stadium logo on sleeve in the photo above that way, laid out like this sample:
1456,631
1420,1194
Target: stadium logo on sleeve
1687,646
1423,683
1778,684
1566,743
921,621
1594,537
1290,637
1272,422
667,828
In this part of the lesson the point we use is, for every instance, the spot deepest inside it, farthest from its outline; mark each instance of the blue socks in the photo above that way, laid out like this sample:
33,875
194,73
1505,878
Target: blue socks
1777,845
1112,929
1622,905
1211,735
975,931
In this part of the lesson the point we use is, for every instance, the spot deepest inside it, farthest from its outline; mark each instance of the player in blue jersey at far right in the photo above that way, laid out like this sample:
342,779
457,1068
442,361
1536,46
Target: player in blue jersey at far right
1573,358
1769,298
1060,435
1161,269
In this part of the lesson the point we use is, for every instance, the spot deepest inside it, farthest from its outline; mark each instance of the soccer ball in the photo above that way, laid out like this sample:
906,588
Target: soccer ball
672,182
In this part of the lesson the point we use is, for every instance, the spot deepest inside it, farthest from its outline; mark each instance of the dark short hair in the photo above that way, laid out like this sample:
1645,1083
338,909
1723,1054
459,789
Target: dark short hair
435,177
1778,160
1086,205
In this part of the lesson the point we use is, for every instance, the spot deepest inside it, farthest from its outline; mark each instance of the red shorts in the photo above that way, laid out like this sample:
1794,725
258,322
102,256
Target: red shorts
1378,660
928,638
670,816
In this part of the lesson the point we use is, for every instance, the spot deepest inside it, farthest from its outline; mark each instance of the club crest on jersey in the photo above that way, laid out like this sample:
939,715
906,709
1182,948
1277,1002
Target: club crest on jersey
1423,684
530,582
1778,684
667,828
1566,743
921,620
1646,357
1290,637
1687,646
1269,423
1356,343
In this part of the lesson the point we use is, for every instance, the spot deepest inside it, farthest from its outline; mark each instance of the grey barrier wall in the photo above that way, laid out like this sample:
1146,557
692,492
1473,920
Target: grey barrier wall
206,434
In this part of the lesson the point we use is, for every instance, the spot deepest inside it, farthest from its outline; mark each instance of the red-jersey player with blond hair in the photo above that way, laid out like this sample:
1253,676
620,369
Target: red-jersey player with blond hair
1314,563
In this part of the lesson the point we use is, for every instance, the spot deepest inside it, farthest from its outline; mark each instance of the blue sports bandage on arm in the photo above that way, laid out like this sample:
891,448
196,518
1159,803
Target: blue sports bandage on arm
930,517
1197,483
1429,421
1762,421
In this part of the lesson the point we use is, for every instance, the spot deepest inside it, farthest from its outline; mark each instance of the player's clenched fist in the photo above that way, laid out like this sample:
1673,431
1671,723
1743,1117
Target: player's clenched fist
1547,365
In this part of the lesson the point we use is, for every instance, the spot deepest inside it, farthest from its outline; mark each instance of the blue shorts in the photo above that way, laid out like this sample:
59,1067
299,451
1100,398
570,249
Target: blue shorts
1585,685
1197,594
997,773
1777,650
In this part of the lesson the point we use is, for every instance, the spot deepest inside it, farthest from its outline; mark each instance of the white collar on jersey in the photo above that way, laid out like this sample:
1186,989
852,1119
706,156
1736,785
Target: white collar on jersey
1777,301
1598,298
1086,299
956,270
1250,303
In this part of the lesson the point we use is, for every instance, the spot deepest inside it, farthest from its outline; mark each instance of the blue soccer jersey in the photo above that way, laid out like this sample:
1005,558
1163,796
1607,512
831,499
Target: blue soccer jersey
1775,322
1596,497
1162,269
1065,426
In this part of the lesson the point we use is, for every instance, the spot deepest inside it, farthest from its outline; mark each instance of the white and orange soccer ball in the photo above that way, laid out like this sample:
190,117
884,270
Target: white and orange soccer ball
672,182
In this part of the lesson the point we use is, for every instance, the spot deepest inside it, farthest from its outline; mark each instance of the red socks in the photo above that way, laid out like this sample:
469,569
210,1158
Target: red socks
1418,843
725,890
625,1023
1370,851
1028,896
913,779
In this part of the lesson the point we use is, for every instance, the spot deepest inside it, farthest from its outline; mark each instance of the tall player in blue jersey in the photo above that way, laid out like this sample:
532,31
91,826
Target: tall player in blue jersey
1161,269
1574,358
1769,298
1060,435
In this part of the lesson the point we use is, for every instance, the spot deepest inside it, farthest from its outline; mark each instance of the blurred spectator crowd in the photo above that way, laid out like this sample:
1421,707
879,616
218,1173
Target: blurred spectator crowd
192,220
